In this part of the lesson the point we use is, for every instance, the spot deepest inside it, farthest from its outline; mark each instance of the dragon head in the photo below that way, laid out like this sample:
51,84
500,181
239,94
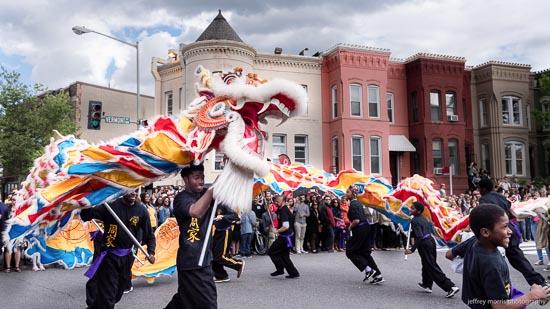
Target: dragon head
226,117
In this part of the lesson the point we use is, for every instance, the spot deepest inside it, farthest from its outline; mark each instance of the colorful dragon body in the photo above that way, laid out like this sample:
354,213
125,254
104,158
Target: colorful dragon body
73,174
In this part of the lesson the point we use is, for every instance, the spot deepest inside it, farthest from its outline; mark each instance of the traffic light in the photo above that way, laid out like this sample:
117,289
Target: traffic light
94,115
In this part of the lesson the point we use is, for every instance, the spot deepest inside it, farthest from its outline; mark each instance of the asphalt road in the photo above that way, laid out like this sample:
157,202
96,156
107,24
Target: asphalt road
328,280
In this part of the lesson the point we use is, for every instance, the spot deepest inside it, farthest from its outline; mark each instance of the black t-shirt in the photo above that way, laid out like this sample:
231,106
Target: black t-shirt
192,232
4,214
135,217
229,217
462,248
421,228
486,277
356,211
284,215
497,199
258,209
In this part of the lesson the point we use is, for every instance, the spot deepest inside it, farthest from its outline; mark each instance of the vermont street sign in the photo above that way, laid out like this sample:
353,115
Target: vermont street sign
117,120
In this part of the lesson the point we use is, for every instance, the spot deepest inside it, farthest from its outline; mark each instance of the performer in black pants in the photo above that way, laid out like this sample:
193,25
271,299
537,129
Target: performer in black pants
279,252
220,245
192,209
513,252
111,270
358,248
425,243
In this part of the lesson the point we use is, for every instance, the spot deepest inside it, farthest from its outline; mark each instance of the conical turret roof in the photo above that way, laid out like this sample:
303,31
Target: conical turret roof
219,29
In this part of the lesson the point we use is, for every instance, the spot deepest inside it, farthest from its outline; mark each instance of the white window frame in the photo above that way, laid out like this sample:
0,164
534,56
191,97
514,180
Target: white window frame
378,139
455,108
390,106
513,158
218,158
485,156
432,106
373,88
362,155
335,152
307,101
306,148
483,121
510,111
283,145
169,101
180,99
442,156
360,100
334,101
456,167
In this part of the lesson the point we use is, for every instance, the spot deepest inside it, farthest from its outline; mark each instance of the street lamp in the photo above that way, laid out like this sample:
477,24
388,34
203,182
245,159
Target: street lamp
79,30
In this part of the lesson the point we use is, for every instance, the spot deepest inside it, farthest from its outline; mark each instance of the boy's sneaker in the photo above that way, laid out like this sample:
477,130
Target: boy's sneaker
377,280
222,280
425,288
128,290
452,292
368,275
539,262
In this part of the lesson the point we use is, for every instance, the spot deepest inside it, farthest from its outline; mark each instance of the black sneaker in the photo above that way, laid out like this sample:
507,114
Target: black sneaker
293,276
128,290
222,280
452,292
276,273
368,275
425,288
377,280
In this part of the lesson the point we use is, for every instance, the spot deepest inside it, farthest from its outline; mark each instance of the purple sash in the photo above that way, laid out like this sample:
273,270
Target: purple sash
95,234
514,227
363,223
289,243
95,265
426,236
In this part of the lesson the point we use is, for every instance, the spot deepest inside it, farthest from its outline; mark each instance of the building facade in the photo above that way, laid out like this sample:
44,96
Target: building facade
117,108
376,114
502,117
219,47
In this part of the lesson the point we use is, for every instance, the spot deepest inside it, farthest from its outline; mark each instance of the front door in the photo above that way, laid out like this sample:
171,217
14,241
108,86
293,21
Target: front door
394,167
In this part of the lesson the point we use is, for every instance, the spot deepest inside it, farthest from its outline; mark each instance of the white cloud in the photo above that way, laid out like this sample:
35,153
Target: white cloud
40,31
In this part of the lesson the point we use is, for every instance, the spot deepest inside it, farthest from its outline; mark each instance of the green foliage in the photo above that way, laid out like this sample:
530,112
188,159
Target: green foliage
27,121
543,116
539,181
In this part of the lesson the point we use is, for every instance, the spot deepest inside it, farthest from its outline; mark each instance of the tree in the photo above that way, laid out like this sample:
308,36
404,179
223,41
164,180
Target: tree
27,121
542,115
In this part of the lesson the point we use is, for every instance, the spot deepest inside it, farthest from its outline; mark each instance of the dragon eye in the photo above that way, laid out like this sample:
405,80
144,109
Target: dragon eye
217,110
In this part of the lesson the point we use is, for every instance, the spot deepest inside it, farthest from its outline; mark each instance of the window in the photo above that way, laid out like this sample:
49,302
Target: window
514,153
434,106
357,152
483,113
278,146
169,102
180,102
511,110
453,156
389,100
219,161
334,101
415,157
485,159
374,101
528,112
307,102
437,153
335,155
355,93
450,103
375,157
414,105
300,149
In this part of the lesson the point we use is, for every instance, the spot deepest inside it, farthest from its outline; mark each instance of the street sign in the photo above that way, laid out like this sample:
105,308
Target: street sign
117,119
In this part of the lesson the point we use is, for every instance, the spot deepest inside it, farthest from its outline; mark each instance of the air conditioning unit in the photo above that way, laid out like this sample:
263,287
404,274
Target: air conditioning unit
438,171
452,118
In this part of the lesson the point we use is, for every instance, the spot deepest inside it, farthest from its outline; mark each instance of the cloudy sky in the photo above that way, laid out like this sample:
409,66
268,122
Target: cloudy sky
36,38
